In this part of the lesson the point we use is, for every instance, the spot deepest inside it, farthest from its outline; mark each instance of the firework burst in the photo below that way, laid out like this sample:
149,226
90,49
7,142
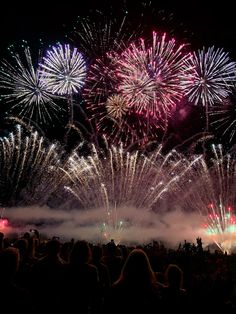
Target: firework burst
211,80
110,111
116,107
23,87
63,70
150,76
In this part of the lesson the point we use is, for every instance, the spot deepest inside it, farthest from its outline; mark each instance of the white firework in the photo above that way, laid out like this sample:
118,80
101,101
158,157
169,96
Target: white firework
63,70
116,183
22,86
211,78
30,168
114,178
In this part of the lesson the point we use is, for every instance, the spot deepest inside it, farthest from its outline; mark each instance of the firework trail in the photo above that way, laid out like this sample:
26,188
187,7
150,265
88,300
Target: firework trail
21,84
63,72
223,118
209,188
30,168
101,32
101,81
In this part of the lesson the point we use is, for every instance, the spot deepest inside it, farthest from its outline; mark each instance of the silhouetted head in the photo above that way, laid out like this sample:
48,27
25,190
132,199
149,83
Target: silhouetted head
97,253
26,235
22,245
137,269
53,247
81,253
174,276
111,248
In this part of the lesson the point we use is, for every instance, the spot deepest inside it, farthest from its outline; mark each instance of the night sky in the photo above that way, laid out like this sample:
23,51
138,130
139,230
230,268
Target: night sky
211,23
205,24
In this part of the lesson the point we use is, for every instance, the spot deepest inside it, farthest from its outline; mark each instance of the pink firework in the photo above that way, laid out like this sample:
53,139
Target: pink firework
220,219
151,77
109,109
220,226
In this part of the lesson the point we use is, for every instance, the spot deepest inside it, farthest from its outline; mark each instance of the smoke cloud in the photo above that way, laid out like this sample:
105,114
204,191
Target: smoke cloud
125,224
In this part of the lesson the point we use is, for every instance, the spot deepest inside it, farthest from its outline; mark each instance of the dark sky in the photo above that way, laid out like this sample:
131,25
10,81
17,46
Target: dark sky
212,24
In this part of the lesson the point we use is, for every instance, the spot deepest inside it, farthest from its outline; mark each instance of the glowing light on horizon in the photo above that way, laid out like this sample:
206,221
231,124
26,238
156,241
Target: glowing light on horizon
210,192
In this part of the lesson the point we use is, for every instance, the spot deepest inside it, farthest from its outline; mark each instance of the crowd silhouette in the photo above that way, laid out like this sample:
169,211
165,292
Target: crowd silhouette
48,275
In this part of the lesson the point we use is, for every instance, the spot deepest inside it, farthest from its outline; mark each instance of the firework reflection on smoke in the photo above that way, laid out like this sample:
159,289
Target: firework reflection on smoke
23,88
115,179
112,229
209,189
